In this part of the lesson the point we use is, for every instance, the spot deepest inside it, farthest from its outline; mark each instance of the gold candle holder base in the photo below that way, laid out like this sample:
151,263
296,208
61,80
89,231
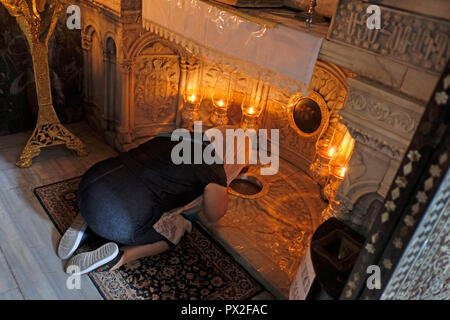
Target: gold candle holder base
249,122
219,117
190,115
332,211
329,193
320,169
330,189
48,135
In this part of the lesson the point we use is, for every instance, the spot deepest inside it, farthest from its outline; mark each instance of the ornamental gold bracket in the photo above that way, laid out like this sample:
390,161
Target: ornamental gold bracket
37,19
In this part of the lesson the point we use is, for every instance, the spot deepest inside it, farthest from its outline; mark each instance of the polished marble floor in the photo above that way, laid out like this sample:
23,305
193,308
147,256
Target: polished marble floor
30,269
269,235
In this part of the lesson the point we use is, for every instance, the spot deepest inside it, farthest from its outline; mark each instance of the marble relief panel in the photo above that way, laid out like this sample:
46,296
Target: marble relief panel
156,89
381,119
156,77
412,39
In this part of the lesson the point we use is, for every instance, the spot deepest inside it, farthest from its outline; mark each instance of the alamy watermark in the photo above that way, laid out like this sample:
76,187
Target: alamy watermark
374,280
248,147
74,19
74,280
374,21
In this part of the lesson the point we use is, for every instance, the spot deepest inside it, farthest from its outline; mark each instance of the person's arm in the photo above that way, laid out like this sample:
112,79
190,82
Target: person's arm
215,203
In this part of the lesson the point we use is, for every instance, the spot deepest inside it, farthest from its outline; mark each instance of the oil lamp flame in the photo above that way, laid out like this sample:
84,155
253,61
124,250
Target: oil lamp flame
192,98
331,152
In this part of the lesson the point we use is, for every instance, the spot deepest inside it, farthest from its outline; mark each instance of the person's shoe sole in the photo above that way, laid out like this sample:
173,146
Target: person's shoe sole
72,238
88,261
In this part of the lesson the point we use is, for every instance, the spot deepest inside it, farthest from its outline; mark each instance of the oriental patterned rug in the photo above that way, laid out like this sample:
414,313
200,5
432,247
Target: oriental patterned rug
197,268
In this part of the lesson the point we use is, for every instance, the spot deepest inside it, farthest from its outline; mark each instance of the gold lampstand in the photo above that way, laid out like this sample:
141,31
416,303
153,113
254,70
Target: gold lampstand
191,110
249,121
329,192
221,99
327,149
253,104
193,95
320,167
220,114
338,169
37,19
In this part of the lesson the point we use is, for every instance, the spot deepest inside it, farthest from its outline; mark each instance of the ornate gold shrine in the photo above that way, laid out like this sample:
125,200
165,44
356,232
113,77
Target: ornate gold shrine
37,19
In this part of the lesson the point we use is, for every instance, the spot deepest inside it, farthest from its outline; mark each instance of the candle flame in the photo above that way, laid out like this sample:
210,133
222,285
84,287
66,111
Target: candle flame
251,110
331,152
220,103
192,98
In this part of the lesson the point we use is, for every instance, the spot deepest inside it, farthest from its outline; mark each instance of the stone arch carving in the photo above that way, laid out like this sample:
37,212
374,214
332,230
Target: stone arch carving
93,65
86,37
110,48
148,39
356,190
108,37
365,211
355,185
330,82
156,75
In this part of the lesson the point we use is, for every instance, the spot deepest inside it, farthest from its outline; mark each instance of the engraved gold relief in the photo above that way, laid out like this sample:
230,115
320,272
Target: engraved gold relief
156,88
37,20
308,116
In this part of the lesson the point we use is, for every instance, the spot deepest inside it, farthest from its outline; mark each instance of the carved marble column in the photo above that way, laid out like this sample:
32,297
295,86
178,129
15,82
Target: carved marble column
398,67
382,122
86,46
182,88
124,135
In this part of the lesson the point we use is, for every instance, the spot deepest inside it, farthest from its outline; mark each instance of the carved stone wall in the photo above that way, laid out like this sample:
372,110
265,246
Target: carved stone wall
151,74
155,89
398,67
407,54
103,58
147,70
382,122
415,40
330,82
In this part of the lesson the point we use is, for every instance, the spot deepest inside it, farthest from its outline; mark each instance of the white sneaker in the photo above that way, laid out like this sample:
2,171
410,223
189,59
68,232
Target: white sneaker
89,261
71,240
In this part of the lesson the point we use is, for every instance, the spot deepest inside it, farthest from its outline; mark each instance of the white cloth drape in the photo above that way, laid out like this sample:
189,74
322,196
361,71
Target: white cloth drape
282,50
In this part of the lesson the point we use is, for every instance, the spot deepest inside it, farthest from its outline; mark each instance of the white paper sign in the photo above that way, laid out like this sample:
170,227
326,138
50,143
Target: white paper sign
303,280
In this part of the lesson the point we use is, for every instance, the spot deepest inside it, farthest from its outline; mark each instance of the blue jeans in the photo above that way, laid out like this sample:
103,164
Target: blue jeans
117,206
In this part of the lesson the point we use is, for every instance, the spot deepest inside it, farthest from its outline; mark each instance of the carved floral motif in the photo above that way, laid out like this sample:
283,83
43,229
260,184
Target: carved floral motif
392,151
156,87
412,39
381,111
